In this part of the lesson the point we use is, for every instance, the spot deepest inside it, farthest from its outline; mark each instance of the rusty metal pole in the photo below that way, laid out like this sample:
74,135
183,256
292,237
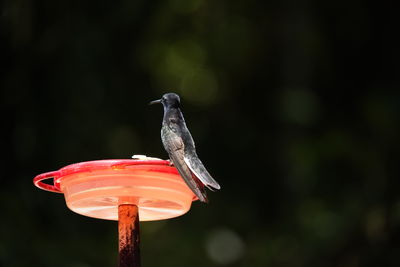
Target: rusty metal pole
128,230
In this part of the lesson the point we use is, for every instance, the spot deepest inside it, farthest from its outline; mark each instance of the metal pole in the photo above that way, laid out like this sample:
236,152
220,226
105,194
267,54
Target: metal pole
128,230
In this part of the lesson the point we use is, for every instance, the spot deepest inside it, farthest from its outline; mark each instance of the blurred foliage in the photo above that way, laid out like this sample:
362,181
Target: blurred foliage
294,106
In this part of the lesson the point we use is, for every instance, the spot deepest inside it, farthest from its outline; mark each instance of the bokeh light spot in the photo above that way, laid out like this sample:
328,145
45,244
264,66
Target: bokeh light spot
184,56
224,246
199,87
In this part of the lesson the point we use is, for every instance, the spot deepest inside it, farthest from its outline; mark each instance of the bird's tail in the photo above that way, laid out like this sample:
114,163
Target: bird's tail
201,192
190,179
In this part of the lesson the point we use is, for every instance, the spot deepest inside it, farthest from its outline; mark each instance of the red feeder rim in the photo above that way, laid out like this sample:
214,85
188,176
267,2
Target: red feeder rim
97,188
89,166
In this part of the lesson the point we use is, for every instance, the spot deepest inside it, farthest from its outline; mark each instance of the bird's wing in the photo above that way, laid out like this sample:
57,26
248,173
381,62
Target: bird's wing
197,167
176,152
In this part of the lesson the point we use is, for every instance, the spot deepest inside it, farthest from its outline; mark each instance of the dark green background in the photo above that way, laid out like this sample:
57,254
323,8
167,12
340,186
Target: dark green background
294,107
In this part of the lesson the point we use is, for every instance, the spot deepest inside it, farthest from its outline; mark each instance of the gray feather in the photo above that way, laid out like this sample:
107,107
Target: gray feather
197,167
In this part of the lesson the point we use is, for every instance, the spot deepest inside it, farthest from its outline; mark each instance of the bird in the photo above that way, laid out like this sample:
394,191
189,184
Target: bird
179,144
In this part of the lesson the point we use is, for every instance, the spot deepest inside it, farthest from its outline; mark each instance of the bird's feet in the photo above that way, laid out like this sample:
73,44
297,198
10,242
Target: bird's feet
170,163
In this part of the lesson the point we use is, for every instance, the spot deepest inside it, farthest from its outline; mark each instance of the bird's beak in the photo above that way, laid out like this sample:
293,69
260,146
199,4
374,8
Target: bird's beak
155,102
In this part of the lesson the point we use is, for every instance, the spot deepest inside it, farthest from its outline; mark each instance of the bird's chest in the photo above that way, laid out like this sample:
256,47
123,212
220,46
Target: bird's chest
172,125
169,132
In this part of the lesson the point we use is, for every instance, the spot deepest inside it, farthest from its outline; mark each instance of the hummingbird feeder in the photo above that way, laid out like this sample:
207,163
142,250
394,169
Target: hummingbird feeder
124,190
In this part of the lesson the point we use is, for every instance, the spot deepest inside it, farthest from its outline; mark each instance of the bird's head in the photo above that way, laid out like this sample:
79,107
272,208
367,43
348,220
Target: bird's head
168,100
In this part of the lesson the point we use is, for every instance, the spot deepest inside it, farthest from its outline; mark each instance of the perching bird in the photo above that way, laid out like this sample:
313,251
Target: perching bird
180,146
